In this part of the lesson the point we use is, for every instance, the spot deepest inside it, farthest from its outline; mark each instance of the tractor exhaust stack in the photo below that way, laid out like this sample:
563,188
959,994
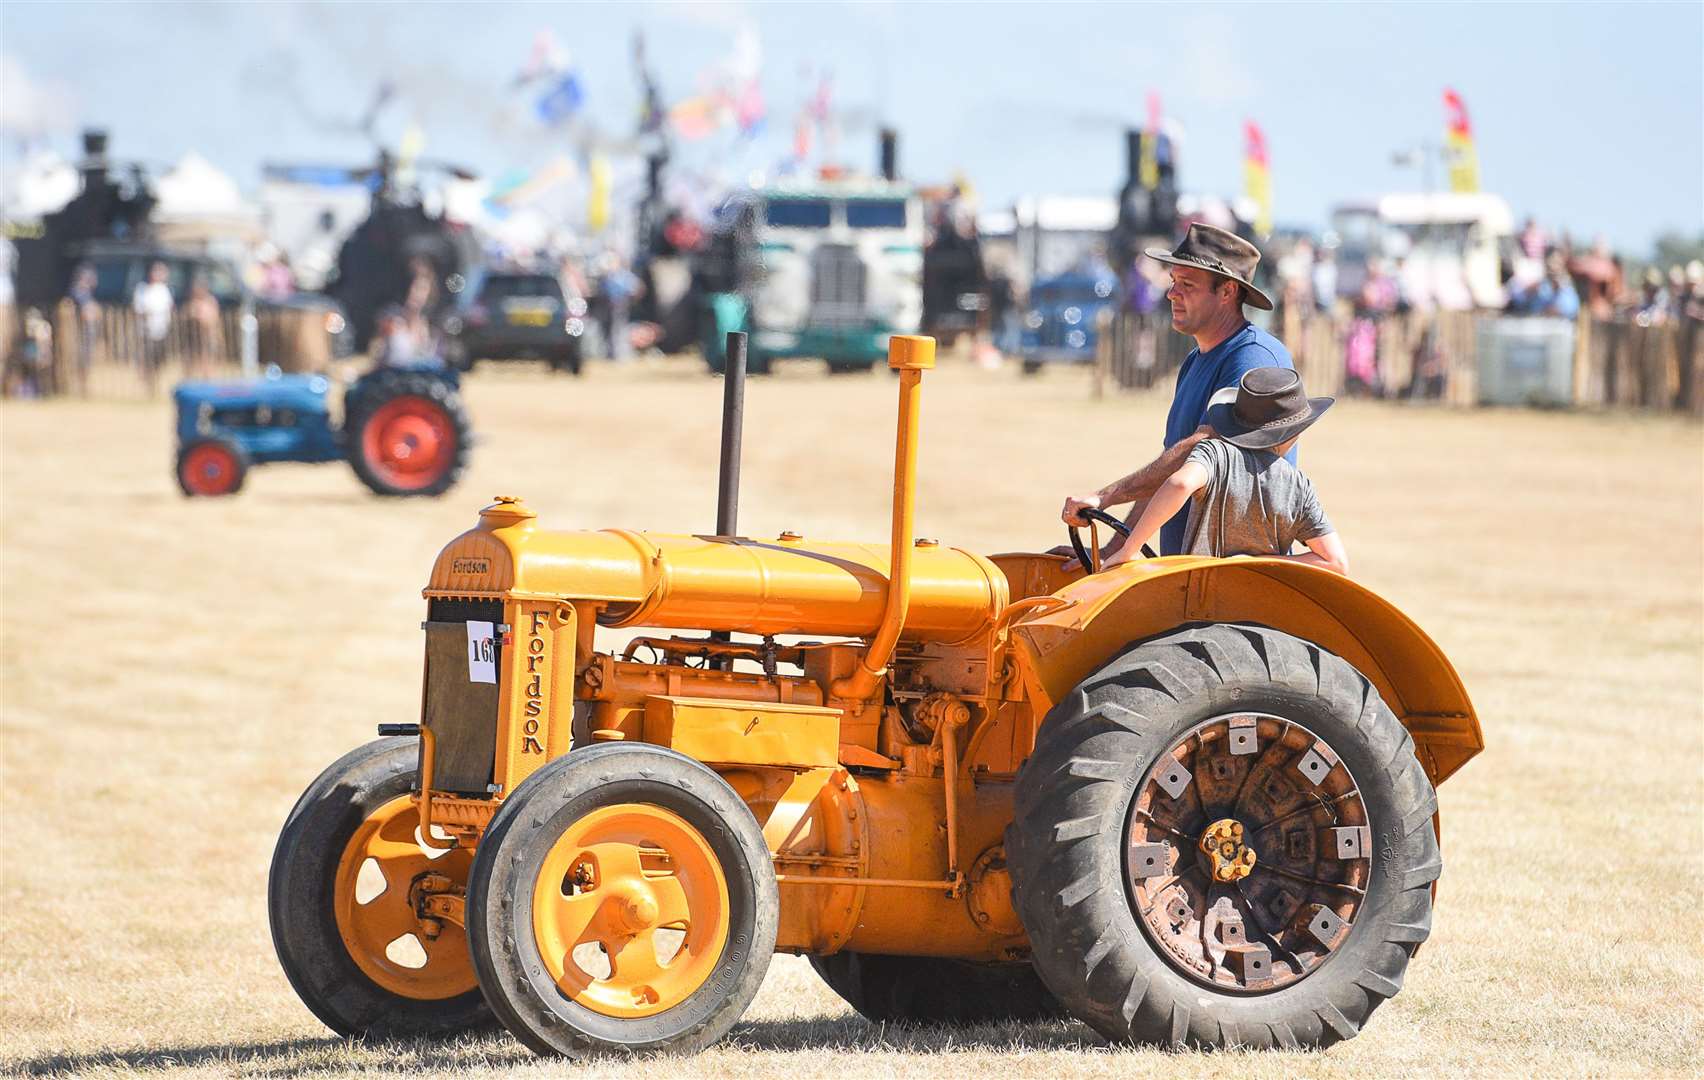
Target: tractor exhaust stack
728,476
733,425
911,356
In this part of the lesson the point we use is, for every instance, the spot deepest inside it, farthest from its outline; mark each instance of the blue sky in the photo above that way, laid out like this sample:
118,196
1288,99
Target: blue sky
1590,117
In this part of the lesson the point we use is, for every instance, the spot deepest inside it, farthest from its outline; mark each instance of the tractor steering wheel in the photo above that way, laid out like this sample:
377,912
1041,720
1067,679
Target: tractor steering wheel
1117,526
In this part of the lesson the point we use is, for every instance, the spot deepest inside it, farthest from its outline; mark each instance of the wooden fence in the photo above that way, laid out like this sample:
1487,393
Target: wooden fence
107,356
1438,357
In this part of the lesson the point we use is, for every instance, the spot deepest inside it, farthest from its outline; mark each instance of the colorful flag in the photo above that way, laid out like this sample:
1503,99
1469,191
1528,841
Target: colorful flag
1148,167
597,199
546,58
562,100
695,117
1459,151
1257,176
802,137
750,109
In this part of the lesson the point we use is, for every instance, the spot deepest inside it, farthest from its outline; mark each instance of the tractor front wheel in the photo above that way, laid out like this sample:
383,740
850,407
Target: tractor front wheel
1224,838
623,899
343,902
208,467
936,990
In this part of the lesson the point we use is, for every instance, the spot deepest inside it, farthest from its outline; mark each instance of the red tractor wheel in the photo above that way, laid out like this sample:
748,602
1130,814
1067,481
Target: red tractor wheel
408,442
211,467
409,435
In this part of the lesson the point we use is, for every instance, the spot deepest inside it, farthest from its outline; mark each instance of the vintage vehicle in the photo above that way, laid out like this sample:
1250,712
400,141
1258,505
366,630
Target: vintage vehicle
827,269
956,296
1063,321
404,431
514,315
1188,801
1447,248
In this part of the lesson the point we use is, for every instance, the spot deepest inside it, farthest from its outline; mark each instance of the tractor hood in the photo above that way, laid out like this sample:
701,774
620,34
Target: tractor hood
784,586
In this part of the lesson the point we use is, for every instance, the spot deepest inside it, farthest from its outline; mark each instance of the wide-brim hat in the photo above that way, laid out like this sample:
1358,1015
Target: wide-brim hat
1266,408
1217,251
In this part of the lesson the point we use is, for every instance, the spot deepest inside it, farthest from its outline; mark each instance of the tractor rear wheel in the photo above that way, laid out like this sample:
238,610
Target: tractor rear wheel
408,434
211,467
341,899
622,899
934,990
1224,838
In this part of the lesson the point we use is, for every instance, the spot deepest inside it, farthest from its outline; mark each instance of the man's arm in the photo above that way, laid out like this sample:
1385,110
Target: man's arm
1168,499
1325,551
1140,484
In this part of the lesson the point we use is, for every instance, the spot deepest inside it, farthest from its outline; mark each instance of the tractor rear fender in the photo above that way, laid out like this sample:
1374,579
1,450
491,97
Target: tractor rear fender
1060,646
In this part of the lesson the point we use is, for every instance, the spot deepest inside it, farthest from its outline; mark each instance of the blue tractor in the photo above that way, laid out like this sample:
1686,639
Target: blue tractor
405,430
1061,324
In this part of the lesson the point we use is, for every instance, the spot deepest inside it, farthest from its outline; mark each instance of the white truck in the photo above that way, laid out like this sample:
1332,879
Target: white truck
1449,246
824,268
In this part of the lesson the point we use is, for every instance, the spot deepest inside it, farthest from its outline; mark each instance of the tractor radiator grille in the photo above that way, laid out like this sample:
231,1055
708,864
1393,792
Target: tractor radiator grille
461,714
838,284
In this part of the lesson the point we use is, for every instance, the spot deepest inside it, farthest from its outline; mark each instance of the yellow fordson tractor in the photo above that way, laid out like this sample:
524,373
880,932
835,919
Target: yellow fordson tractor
1187,801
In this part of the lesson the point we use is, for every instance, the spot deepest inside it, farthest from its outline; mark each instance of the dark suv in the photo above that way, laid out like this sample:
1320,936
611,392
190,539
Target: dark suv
507,315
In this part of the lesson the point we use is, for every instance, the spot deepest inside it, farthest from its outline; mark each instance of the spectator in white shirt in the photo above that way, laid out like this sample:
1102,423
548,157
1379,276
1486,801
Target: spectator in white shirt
154,305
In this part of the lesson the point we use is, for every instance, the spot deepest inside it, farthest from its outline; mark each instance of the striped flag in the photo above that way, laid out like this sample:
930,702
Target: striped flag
1257,176
1148,167
1458,145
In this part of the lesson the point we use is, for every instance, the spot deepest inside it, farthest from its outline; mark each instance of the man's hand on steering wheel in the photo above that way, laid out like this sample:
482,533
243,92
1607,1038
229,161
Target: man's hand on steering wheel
1075,505
1093,563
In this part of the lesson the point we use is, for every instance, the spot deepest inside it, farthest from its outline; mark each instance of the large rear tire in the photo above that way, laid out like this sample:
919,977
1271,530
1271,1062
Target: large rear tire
332,934
623,899
408,433
934,990
1224,838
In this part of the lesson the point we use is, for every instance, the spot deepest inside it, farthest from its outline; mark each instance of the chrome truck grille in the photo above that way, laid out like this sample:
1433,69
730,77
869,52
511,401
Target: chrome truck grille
460,711
838,285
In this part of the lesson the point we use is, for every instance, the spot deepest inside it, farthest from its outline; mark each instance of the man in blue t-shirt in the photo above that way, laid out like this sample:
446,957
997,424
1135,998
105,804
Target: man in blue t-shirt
1212,277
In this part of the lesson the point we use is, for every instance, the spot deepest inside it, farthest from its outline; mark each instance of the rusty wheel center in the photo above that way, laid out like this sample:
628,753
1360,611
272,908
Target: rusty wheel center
1225,856
1248,852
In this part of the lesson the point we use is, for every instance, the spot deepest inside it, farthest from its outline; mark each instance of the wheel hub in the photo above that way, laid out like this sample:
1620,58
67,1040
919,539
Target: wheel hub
1224,855
1248,852
411,901
633,907
630,910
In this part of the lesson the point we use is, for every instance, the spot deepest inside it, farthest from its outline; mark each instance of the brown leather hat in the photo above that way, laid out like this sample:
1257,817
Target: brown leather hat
1220,252
1266,408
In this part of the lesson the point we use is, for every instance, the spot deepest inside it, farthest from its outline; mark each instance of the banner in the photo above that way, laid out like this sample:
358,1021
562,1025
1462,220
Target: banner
1257,177
1148,170
1459,153
597,195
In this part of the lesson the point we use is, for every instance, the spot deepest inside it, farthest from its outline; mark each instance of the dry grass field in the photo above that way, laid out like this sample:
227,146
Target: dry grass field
175,672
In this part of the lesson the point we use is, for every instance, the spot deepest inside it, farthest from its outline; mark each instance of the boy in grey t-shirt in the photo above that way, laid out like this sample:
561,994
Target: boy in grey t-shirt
1245,499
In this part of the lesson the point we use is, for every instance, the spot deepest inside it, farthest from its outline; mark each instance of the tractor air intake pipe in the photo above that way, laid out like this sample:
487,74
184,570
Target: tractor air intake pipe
911,357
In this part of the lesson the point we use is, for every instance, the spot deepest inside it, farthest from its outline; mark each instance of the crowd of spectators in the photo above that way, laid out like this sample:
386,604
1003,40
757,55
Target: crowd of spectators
1551,277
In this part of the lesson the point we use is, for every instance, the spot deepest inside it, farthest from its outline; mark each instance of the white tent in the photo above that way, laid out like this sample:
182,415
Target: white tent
197,201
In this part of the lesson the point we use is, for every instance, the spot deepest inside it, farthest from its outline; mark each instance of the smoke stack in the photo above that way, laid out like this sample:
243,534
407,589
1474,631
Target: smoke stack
890,154
94,164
